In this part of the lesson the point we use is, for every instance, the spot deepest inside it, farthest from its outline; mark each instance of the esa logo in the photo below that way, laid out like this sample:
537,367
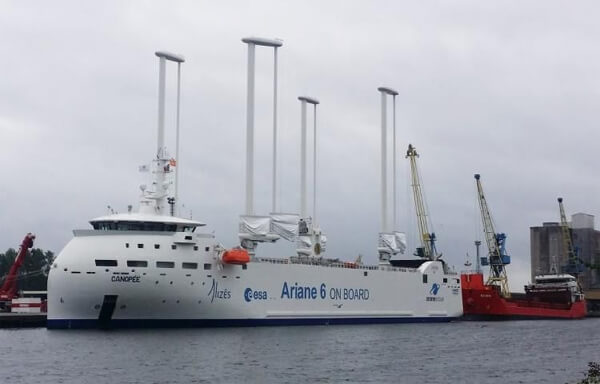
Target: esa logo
434,289
250,295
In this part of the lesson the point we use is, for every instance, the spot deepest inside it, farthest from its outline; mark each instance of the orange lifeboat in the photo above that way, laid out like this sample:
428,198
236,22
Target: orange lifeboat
236,256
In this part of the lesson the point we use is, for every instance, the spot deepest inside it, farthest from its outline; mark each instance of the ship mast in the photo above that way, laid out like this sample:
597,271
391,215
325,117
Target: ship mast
162,162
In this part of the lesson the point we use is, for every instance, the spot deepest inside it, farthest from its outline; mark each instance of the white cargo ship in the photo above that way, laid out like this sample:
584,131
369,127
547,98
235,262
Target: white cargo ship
151,268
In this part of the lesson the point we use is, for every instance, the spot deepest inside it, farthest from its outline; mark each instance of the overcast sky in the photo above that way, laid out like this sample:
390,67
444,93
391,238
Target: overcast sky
506,89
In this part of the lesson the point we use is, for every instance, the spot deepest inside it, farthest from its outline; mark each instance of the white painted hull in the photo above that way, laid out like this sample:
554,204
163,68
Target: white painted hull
266,292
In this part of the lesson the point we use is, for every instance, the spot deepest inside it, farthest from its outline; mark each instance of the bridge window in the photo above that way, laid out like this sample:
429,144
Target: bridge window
207,267
165,264
189,265
156,246
137,263
106,263
141,226
140,245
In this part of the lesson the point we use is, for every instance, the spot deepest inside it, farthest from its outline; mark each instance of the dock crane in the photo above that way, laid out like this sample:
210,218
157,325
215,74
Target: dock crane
427,249
497,258
9,289
574,266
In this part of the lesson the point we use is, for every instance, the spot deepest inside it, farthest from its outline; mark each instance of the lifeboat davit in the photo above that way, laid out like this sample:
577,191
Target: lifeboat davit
235,256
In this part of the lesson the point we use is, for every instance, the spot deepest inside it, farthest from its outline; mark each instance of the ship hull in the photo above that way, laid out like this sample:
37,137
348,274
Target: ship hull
264,292
484,302
223,323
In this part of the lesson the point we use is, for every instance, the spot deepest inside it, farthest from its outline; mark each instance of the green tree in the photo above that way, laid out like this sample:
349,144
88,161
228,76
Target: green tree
33,274
593,374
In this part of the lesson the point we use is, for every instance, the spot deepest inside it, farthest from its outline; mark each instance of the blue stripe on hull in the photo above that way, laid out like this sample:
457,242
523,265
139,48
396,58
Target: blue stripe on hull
199,323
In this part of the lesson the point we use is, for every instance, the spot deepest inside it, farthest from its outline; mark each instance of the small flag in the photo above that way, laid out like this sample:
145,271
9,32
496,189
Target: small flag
144,168
173,162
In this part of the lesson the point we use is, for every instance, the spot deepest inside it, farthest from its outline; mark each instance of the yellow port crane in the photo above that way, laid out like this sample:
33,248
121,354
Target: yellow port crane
574,265
497,258
427,249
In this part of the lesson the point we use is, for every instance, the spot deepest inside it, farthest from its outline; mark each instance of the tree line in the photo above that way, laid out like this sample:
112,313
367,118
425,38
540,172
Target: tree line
33,274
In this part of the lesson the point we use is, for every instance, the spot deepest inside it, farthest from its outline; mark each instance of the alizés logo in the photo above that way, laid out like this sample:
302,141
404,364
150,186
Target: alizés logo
434,289
216,293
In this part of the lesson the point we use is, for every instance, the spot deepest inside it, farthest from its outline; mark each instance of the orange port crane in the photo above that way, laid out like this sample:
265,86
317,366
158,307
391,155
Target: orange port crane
497,258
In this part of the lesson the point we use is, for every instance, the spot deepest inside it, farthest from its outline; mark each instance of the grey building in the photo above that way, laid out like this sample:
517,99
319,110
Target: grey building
547,251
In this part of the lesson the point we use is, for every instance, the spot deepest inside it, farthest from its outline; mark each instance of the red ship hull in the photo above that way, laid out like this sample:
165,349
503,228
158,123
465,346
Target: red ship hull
484,302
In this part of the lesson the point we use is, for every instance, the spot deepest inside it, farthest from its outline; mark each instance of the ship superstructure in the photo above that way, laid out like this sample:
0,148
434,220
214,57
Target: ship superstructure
151,268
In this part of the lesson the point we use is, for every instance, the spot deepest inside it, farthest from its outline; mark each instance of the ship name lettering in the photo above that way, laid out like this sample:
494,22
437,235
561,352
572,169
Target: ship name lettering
125,279
356,294
307,292
349,294
298,292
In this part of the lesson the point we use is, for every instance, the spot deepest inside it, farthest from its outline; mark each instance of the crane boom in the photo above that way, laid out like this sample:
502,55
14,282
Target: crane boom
9,288
427,249
573,266
497,258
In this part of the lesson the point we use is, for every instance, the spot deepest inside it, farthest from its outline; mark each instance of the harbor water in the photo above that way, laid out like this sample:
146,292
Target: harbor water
460,352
